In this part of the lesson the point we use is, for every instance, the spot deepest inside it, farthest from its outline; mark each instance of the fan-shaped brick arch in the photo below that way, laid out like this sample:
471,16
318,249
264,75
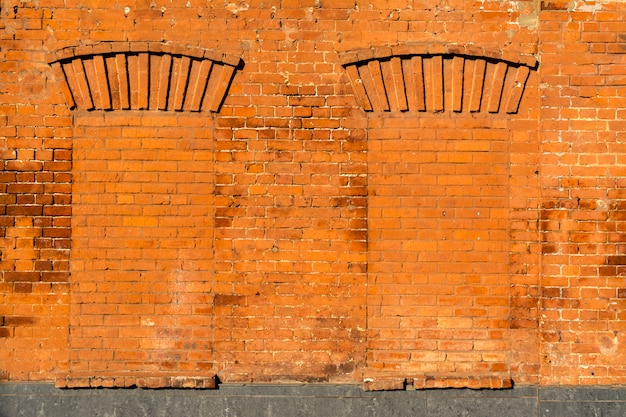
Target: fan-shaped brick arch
438,78
143,76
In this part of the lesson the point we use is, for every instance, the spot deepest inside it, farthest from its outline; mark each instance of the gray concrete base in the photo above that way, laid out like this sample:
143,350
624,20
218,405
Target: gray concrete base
43,400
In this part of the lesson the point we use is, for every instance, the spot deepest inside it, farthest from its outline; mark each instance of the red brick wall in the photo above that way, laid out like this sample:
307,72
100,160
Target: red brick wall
35,208
256,190
291,222
581,225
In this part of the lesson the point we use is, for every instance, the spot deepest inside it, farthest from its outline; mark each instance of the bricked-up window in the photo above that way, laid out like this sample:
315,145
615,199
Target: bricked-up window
439,211
143,212
439,246
142,255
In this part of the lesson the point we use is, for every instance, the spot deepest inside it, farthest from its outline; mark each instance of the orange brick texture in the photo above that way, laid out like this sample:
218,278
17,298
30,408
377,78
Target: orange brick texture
580,224
389,192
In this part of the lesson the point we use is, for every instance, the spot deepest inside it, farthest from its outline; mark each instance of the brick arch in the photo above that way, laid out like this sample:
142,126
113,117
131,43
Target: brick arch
438,78
143,76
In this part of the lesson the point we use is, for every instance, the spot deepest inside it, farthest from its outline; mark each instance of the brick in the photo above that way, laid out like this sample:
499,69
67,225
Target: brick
11,276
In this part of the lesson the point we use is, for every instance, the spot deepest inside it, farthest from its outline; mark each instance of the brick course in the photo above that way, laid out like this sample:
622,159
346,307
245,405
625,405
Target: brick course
395,192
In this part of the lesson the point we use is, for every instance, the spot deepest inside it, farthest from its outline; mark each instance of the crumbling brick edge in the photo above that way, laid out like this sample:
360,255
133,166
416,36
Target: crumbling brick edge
211,382
136,381
438,382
